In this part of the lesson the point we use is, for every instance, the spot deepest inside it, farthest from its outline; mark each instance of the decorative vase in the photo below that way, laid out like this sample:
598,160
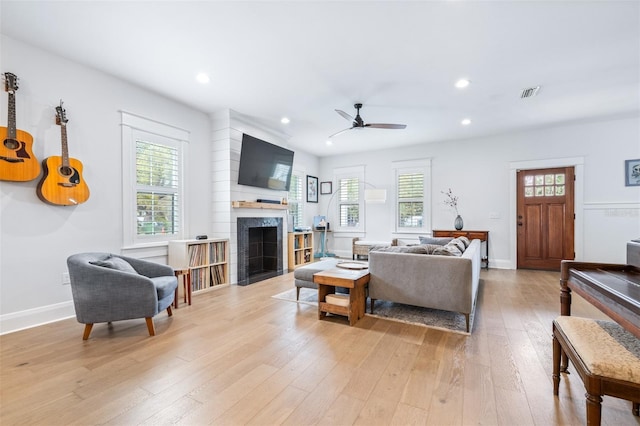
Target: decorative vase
458,223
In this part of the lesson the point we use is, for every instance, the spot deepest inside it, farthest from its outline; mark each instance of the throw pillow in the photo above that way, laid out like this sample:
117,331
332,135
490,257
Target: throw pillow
115,263
458,243
448,250
465,240
435,240
418,249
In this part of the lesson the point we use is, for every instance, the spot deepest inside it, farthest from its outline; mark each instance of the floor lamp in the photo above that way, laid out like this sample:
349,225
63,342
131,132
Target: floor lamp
371,196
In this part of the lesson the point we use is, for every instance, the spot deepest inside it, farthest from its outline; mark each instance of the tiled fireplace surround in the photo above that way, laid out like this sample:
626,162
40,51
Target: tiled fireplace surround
260,248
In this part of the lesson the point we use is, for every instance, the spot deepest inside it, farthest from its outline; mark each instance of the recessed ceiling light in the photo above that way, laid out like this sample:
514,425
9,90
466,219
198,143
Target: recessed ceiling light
462,83
285,120
329,142
465,122
202,78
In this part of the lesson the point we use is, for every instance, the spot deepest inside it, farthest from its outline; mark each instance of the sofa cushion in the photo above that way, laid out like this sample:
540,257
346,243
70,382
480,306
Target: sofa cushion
113,262
448,250
434,240
165,286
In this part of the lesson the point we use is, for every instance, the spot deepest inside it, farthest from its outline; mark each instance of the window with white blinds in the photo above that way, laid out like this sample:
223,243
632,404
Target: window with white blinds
157,185
410,189
349,202
295,199
413,196
152,180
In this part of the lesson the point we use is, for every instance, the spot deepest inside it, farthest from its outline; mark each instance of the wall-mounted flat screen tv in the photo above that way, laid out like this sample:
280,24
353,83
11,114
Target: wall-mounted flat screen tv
264,165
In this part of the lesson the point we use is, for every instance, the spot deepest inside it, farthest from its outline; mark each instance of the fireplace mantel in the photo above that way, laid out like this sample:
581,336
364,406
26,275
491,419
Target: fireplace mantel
256,205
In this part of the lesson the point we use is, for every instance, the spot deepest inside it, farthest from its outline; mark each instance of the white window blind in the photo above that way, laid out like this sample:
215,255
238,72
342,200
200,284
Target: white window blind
157,184
410,190
295,199
349,202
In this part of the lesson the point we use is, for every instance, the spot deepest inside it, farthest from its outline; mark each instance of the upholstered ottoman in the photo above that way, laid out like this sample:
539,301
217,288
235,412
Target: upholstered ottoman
303,276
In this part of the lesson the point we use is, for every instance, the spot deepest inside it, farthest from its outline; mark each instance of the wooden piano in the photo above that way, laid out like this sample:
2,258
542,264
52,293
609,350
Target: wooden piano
612,288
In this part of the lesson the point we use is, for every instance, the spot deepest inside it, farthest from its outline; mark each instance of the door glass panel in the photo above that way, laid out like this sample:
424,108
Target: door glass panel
548,191
528,192
528,181
539,191
559,190
539,180
560,179
548,179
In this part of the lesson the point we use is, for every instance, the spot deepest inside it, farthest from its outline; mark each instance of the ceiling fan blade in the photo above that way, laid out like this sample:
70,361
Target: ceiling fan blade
345,115
386,126
341,131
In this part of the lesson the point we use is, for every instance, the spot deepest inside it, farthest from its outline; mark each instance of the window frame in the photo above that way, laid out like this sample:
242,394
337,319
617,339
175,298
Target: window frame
136,128
411,167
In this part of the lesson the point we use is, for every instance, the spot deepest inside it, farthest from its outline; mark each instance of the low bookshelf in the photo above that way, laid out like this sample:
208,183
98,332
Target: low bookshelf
207,261
300,249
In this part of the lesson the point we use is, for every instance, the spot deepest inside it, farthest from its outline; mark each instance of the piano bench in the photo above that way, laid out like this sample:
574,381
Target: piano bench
606,357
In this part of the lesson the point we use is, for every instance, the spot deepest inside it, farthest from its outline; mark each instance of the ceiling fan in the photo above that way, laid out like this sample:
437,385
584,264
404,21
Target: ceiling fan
358,123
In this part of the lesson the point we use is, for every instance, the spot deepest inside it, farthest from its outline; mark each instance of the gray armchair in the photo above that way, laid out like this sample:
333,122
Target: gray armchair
108,287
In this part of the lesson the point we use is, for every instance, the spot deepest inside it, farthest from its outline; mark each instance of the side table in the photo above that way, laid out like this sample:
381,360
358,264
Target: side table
354,280
186,283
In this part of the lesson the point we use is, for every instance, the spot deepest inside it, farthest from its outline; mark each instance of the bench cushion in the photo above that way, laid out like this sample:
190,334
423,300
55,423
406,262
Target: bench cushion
607,349
305,273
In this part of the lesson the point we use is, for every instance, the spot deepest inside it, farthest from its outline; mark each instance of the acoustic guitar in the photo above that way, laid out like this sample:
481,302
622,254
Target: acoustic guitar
17,162
62,183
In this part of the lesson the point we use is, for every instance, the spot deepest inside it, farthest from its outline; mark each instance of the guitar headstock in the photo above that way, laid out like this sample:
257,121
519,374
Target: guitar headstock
61,115
10,82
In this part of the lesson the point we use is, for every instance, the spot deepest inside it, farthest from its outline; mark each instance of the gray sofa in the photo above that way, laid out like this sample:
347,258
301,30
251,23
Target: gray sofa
448,283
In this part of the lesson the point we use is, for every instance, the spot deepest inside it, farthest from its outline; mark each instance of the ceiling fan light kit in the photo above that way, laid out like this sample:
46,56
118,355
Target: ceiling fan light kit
358,122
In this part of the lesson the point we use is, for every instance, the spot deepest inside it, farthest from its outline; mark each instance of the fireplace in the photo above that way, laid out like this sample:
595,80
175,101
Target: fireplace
260,249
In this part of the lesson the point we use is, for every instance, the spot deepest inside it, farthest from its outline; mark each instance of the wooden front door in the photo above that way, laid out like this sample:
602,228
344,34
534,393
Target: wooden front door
545,217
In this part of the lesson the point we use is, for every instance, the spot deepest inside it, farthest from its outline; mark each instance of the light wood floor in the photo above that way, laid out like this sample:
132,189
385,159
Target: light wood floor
238,356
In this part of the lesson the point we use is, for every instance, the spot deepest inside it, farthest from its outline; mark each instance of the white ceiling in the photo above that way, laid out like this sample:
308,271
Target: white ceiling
304,59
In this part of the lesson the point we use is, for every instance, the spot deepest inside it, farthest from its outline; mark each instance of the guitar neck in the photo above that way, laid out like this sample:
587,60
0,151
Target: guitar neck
65,146
11,120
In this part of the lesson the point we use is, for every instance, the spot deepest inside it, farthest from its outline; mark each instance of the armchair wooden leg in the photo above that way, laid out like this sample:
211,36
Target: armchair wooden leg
169,311
152,331
87,331
297,293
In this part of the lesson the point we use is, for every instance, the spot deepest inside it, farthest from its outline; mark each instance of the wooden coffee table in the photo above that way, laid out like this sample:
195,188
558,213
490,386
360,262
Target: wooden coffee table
354,280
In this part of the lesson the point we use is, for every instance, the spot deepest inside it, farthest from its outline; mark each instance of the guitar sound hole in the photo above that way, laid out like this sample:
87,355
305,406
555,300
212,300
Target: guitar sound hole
11,143
66,171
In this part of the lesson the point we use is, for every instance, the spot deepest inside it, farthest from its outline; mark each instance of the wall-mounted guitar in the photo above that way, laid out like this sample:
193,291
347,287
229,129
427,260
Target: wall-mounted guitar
17,162
62,183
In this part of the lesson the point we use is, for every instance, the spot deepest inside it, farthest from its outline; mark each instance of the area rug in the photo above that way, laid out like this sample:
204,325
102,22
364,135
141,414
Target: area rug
432,318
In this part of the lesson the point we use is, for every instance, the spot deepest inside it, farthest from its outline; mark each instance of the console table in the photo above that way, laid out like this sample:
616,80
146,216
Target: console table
472,235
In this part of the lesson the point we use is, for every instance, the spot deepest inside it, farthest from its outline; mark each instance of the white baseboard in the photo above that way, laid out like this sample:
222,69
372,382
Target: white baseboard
16,321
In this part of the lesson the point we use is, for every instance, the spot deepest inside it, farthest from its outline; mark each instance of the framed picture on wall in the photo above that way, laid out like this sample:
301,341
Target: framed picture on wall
632,172
312,189
326,188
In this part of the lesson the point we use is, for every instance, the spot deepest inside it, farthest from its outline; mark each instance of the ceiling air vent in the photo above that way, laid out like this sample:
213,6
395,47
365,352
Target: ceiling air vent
529,92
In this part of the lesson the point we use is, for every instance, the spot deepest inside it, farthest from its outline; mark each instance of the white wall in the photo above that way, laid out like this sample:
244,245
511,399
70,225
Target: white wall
479,171
36,238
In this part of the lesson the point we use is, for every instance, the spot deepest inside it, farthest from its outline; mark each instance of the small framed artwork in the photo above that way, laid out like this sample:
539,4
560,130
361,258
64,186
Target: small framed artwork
326,188
632,172
312,189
